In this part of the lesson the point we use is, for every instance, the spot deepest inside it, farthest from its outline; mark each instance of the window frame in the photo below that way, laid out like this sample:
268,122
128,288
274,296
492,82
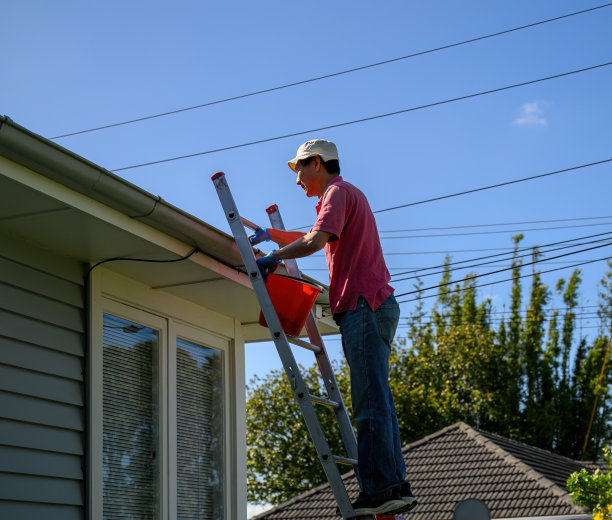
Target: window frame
173,318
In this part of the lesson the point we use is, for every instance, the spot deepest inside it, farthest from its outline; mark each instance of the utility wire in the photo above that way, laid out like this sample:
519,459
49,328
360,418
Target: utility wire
471,233
321,255
455,268
523,313
440,228
525,320
459,289
326,76
414,269
492,186
511,251
507,250
363,120
500,260
473,277
497,323
447,251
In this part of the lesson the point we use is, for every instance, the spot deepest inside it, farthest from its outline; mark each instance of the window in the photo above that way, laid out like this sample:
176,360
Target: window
163,417
130,420
199,418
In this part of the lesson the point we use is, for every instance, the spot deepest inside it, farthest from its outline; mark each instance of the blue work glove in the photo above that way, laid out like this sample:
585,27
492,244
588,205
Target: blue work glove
267,264
260,235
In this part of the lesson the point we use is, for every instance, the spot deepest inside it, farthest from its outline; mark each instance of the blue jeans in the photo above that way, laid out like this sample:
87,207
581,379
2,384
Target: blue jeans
366,341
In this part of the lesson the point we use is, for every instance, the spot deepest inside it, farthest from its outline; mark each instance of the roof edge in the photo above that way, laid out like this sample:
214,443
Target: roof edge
540,479
83,176
431,436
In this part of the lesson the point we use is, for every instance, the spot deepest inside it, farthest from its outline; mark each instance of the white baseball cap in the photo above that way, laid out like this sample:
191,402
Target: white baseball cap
325,149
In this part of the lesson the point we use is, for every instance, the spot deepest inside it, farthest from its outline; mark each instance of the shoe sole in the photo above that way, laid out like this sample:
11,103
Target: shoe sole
409,504
392,506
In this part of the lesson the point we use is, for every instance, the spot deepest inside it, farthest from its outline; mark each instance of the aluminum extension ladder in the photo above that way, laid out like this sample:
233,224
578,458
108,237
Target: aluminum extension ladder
303,397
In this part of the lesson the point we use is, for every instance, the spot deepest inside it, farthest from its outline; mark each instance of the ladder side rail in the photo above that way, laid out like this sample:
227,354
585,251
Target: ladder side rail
298,386
329,379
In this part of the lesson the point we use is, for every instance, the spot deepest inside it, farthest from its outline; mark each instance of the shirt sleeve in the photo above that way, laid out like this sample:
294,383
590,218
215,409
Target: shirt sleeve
333,213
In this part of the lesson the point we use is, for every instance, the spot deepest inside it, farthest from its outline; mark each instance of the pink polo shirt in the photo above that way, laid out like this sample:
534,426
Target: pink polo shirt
354,255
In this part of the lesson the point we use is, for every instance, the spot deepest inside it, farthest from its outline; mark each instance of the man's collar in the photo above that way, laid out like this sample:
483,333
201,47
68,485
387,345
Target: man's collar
336,179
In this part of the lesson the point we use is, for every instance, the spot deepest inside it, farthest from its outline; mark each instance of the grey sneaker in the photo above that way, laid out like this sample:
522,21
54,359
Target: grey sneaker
406,495
376,505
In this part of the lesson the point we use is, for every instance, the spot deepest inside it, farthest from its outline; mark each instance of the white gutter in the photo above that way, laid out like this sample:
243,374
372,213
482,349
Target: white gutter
61,165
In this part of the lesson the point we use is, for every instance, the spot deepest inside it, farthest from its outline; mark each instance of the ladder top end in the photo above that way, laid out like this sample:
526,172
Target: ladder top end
272,209
217,175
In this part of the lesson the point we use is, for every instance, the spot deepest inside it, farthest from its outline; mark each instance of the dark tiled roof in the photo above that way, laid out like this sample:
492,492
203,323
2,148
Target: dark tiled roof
457,463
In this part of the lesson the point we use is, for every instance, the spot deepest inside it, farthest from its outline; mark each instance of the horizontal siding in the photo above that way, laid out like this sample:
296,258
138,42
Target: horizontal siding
43,386
40,411
42,347
47,464
31,488
36,281
41,308
34,332
17,510
39,437
40,359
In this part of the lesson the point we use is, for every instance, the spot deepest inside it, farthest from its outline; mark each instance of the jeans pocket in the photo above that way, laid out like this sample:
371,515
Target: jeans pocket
387,317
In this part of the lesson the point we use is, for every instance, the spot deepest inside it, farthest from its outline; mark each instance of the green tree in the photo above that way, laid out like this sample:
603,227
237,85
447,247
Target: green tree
281,459
594,490
537,411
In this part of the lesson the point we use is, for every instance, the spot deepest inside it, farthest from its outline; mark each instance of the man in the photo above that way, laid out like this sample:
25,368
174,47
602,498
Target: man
363,304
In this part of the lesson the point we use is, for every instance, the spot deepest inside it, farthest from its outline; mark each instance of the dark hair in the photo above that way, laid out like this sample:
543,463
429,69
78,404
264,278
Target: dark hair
332,166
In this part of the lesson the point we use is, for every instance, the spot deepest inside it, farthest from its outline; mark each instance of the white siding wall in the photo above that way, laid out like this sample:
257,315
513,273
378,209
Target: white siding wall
42,345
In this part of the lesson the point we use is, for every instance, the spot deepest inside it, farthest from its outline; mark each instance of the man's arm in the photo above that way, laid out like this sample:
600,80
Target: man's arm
307,245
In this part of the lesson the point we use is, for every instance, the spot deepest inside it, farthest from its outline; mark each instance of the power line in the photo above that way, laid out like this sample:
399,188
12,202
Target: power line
321,255
494,186
523,313
497,232
459,289
525,320
484,188
447,251
465,226
414,269
326,76
518,250
335,338
507,250
473,277
500,260
363,120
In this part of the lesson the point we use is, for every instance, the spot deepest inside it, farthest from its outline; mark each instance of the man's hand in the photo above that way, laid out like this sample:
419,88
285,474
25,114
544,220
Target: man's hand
260,235
267,264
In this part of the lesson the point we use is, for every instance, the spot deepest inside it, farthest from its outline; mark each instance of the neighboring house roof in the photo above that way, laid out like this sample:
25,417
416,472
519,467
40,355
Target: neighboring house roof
457,463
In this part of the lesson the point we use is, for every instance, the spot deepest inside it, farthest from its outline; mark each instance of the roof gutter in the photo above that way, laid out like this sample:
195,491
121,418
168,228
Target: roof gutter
63,166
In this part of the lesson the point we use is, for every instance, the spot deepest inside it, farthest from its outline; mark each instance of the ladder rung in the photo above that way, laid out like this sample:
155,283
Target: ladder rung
303,344
324,402
345,460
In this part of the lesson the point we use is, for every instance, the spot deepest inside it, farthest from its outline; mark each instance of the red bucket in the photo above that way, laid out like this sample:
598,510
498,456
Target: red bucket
292,299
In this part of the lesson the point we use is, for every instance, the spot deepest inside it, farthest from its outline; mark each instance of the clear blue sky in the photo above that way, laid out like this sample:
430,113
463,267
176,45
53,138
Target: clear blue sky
68,66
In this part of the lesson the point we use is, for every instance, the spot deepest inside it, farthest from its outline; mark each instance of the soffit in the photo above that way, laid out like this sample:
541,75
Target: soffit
53,225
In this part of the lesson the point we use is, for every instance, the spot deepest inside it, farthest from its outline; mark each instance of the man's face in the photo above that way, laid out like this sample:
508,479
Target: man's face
310,178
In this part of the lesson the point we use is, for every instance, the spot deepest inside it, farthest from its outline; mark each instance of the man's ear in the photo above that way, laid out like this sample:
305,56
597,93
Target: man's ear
318,163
